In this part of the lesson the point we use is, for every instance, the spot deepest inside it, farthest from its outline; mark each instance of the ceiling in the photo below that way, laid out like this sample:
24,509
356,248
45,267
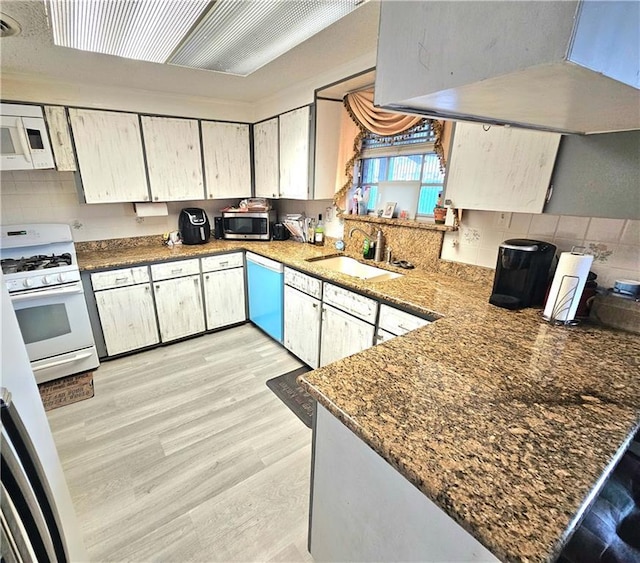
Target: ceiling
33,53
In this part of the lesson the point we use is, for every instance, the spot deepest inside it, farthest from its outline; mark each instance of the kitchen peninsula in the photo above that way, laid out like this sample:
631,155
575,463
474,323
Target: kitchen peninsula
503,421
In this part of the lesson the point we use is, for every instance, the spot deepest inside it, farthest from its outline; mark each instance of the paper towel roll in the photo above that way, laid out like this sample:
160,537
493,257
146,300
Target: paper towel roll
159,209
566,288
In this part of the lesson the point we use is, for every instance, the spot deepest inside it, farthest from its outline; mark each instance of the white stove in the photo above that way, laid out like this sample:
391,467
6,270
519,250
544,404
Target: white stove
40,270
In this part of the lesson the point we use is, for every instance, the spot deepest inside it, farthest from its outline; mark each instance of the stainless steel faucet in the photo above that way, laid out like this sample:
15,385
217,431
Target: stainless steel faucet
367,235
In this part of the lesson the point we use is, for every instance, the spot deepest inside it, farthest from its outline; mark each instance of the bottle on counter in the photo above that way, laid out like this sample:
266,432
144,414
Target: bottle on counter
311,231
319,232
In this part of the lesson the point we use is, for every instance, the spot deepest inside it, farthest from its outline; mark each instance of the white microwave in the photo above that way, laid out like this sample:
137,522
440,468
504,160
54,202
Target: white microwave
24,142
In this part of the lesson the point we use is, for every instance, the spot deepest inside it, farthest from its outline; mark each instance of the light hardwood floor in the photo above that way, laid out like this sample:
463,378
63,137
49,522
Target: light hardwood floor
184,454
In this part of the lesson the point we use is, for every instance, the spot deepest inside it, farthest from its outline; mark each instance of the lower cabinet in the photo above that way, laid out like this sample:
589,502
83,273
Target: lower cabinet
394,322
177,287
342,335
348,321
224,290
179,306
302,325
125,307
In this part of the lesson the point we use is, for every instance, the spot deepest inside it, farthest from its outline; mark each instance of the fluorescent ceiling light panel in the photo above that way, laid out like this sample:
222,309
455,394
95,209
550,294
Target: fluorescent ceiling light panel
240,36
147,30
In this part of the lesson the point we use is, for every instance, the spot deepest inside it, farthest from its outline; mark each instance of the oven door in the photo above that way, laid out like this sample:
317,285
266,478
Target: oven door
53,321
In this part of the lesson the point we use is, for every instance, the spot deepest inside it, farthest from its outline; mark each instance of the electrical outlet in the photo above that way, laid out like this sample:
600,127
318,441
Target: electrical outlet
503,219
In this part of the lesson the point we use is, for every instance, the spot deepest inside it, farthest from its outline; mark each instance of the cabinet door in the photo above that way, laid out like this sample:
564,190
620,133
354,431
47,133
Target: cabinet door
500,168
266,159
110,157
294,154
328,114
179,305
128,318
227,160
60,138
302,325
224,297
174,161
342,335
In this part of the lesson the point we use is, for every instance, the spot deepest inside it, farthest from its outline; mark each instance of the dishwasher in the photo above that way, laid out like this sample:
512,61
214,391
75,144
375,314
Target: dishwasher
265,283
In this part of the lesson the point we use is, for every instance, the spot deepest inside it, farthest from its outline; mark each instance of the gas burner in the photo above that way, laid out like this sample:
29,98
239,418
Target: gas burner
9,266
37,262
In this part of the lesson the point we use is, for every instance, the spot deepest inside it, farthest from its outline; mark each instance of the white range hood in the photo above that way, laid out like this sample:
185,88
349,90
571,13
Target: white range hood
564,66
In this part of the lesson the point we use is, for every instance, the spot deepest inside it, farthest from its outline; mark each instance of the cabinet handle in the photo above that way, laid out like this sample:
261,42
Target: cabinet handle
155,198
146,198
315,305
59,135
210,196
195,280
157,287
146,288
176,271
405,328
206,277
224,263
120,280
379,337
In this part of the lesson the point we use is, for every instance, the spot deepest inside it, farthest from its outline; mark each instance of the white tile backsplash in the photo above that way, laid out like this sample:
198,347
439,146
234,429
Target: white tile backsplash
616,248
605,230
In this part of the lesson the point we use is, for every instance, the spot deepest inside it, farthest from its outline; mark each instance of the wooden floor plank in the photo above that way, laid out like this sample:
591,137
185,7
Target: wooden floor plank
184,454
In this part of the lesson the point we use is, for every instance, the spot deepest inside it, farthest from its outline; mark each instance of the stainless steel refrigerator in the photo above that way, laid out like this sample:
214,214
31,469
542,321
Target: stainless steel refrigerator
38,519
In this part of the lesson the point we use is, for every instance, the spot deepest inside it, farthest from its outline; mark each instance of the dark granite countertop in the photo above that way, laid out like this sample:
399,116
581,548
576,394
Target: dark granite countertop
504,421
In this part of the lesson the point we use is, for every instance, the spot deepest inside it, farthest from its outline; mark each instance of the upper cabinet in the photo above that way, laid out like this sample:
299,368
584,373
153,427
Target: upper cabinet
328,114
266,159
60,138
227,159
500,168
294,153
110,156
174,160
568,66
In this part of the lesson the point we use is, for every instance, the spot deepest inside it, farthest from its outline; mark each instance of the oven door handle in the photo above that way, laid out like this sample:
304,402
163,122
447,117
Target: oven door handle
74,358
53,292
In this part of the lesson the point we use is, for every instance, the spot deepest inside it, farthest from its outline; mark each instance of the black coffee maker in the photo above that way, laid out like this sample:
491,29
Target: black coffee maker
522,273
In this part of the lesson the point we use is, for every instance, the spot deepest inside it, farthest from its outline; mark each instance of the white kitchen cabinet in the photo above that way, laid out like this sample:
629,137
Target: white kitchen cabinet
177,288
347,323
179,306
342,335
328,114
302,316
227,159
224,290
128,318
497,168
174,160
110,156
394,322
60,138
266,159
125,307
294,153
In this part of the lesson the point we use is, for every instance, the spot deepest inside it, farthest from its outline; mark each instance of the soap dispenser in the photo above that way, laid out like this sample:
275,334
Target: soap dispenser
379,253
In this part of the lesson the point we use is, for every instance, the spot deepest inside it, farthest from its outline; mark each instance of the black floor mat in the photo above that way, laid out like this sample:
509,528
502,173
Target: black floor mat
292,395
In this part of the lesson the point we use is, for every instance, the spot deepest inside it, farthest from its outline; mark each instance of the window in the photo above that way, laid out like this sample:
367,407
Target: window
407,157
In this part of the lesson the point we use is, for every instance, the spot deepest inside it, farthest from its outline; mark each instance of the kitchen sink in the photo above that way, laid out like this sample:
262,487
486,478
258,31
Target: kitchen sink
351,267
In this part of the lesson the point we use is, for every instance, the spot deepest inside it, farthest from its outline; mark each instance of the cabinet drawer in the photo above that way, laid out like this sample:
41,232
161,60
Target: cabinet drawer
357,305
169,270
398,322
222,262
120,278
306,284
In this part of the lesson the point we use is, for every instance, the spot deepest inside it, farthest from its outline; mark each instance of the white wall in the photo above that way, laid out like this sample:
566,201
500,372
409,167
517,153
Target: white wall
615,243
47,196
31,89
